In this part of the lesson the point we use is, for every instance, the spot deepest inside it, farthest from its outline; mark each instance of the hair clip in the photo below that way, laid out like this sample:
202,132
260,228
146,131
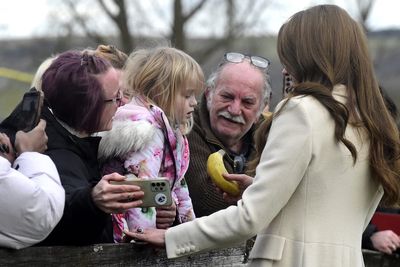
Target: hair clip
84,59
112,48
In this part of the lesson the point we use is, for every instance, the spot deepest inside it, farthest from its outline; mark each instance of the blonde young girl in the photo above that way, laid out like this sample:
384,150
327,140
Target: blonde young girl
148,135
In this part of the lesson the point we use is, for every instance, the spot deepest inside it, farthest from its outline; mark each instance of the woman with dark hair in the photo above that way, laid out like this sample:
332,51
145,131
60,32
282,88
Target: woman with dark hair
81,97
332,153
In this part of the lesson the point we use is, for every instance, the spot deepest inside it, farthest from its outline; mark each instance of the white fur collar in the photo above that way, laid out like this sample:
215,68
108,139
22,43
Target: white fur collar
125,136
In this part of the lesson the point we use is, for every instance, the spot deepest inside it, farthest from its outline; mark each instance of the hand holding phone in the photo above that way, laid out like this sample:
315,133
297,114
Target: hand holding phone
30,109
6,149
26,114
157,191
34,140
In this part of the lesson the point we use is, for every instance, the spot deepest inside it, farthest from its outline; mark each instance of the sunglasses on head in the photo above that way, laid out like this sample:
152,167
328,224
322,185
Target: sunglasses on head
257,61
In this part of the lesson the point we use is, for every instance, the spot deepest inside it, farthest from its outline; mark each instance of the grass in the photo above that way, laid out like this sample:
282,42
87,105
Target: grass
9,98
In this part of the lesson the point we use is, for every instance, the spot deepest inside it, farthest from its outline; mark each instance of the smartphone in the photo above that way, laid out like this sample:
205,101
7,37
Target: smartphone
157,191
31,108
26,114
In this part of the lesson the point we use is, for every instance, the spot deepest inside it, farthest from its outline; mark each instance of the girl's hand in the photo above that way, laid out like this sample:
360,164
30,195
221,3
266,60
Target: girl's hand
165,216
155,237
243,181
116,198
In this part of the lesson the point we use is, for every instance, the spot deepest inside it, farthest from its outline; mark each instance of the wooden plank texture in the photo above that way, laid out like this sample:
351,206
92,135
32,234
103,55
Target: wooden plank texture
142,255
116,255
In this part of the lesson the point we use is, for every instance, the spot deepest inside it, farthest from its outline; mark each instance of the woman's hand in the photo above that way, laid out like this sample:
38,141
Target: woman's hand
34,140
165,216
6,148
385,241
155,237
116,198
243,181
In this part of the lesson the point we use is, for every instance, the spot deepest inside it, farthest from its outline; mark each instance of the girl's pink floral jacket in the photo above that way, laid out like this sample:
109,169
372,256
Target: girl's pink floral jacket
143,142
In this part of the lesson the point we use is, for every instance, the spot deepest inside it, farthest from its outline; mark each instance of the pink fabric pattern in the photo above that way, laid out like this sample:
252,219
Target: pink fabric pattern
148,163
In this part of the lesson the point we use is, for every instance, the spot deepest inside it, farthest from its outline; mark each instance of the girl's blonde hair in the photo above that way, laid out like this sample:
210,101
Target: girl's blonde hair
159,74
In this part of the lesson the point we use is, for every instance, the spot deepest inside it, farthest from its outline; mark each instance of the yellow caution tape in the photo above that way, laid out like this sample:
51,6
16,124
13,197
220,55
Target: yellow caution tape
16,75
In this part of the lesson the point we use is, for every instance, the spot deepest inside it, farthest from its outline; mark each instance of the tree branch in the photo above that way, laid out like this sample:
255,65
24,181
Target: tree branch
83,23
107,10
194,10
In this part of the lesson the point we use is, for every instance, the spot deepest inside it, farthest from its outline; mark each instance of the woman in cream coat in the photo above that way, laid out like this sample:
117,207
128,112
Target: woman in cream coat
332,151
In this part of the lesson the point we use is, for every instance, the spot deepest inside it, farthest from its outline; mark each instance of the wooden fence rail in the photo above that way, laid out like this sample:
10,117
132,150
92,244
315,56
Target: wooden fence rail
141,255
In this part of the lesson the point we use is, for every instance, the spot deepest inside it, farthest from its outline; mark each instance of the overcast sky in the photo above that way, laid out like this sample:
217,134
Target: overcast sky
30,18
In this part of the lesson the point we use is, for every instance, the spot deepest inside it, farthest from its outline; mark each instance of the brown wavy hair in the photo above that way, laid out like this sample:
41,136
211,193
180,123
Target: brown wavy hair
321,47
116,57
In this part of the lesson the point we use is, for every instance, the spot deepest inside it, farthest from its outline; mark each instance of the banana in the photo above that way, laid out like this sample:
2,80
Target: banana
215,169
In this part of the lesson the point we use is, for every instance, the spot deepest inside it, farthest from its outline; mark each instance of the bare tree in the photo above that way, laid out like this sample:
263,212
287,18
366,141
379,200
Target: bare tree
178,35
119,18
121,21
239,15
364,8
240,18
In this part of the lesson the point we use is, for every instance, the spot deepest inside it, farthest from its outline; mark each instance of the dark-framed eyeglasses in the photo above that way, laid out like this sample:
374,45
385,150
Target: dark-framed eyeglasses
116,100
257,61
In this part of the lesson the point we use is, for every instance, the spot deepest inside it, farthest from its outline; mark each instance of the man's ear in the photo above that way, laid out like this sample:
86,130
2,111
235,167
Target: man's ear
207,93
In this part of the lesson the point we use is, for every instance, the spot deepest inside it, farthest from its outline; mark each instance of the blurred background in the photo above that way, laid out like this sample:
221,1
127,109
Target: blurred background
31,31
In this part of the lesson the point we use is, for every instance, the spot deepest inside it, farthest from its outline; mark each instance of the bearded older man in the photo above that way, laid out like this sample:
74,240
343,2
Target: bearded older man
236,94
